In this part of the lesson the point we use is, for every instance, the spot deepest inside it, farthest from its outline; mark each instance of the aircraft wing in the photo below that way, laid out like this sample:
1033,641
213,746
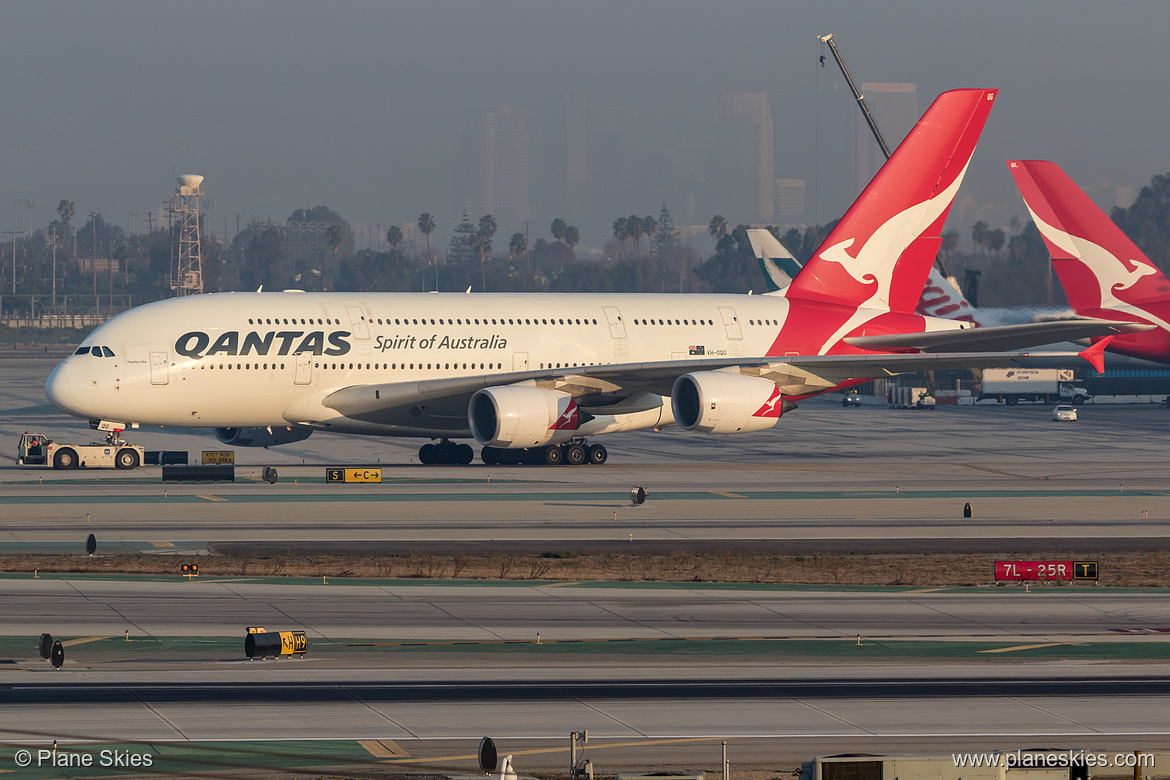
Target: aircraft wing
619,386
1000,337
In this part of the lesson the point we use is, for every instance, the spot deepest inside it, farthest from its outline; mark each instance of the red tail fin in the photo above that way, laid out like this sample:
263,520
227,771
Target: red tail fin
1098,265
879,254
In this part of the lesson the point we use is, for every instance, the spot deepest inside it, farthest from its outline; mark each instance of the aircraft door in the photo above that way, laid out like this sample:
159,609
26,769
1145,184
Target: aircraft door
358,324
158,368
304,373
617,328
731,323
519,361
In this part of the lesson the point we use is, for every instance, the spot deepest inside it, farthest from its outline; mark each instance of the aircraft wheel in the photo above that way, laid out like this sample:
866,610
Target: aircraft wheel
575,454
65,459
443,453
126,459
511,457
490,456
553,455
426,454
1012,400
463,454
597,454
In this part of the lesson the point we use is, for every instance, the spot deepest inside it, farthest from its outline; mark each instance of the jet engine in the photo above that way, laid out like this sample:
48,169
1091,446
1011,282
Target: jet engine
518,417
722,402
261,437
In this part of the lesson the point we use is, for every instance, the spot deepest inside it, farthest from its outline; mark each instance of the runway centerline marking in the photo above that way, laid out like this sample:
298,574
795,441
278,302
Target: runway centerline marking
1027,647
84,640
383,748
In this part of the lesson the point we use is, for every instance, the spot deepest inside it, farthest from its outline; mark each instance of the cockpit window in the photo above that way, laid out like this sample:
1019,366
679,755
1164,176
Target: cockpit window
107,352
82,351
96,351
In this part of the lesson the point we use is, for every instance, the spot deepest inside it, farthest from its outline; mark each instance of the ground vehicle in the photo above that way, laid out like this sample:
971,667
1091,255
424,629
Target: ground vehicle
1064,413
910,398
36,449
1047,385
851,399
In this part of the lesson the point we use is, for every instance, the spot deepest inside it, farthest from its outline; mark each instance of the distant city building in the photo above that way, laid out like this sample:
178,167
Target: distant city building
790,203
576,162
1124,197
745,158
505,165
895,109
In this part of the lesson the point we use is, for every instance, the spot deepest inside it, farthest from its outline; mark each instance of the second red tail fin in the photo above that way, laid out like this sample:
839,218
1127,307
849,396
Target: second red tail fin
1098,266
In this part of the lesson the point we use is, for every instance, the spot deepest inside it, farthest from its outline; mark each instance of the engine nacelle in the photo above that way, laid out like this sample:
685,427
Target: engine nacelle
518,417
261,437
722,402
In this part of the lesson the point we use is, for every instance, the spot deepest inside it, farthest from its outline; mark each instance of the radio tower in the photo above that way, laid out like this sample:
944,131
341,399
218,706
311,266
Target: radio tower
188,276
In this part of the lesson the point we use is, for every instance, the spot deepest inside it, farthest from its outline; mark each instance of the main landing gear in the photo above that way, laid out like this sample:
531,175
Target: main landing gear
446,452
572,453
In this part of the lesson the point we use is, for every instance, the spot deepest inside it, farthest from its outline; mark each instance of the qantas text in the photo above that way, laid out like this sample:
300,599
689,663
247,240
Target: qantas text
195,344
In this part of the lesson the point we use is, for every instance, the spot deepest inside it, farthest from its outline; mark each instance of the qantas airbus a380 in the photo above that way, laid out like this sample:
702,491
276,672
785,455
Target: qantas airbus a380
529,376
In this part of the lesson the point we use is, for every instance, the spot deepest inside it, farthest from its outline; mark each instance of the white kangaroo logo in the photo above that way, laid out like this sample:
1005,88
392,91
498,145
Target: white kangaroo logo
1108,269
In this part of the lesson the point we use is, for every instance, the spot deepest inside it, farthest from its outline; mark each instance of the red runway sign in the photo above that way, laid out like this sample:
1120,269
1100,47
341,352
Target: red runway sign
1045,570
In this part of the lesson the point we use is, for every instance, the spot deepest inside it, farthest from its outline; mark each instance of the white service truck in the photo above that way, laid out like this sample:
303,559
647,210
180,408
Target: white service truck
1047,385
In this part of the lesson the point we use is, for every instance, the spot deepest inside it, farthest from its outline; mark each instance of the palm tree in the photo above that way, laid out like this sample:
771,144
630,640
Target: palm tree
980,232
394,237
483,244
717,228
649,227
621,231
335,237
634,225
518,245
426,224
571,237
558,228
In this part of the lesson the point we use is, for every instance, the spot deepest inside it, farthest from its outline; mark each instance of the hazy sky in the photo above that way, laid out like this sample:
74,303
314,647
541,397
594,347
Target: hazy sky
373,108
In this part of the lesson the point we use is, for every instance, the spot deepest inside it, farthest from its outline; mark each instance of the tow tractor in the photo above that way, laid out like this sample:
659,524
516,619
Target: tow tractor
36,449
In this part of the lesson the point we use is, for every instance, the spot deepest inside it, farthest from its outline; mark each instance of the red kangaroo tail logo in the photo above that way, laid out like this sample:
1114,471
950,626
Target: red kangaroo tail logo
773,407
878,255
1098,265
568,421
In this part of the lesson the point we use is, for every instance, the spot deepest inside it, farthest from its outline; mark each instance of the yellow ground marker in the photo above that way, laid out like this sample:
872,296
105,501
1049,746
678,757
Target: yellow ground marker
383,748
1027,647
726,494
212,498
162,544
923,590
84,640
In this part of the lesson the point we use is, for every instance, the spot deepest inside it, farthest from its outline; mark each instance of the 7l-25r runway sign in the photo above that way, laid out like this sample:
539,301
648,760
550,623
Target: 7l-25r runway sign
1045,570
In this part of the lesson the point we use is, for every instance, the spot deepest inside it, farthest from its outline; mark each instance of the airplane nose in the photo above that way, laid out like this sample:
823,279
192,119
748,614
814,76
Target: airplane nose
57,387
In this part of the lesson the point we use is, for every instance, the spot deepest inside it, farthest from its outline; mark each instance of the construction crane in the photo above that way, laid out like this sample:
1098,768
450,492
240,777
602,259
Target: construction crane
829,40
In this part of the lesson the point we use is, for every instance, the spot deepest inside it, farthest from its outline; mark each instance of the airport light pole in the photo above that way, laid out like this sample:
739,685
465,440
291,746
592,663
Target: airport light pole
14,233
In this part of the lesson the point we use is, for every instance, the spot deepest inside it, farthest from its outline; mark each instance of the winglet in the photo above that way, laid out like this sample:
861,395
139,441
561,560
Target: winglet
1096,354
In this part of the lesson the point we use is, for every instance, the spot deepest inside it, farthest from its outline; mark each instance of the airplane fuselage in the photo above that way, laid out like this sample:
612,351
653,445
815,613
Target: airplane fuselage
270,359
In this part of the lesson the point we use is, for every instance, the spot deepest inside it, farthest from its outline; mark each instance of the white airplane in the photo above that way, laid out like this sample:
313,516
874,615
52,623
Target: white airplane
529,376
